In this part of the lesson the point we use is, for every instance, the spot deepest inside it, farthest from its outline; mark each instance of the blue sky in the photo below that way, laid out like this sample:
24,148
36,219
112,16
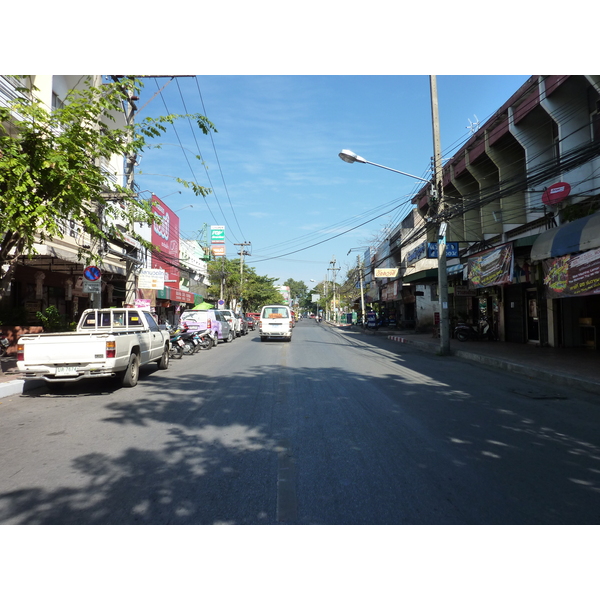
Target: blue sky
273,164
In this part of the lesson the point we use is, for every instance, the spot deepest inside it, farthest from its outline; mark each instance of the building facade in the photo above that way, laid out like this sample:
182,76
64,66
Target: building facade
54,276
520,200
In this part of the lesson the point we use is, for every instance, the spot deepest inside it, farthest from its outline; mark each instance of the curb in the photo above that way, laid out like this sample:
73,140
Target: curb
17,386
8,388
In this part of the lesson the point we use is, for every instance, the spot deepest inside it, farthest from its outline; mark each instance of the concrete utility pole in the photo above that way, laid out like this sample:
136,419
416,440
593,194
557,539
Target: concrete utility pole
441,233
362,291
242,253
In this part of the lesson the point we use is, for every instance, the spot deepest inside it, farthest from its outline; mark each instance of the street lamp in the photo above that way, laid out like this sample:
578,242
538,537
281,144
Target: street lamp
350,157
437,192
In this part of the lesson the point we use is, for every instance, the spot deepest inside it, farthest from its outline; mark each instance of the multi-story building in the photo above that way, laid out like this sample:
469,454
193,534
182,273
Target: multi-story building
521,202
54,275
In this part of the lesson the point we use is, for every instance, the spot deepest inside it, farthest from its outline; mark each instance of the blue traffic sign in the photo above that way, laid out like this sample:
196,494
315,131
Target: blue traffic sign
92,273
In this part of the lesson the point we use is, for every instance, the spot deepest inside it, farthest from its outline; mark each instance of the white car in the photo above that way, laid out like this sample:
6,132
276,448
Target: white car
276,321
233,321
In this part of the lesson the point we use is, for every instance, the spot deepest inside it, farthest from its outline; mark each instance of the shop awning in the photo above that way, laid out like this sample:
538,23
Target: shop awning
455,269
175,295
54,252
577,236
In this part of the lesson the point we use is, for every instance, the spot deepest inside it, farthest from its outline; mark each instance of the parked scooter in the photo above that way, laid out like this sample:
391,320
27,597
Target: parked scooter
464,332
205,340
190,341
177,343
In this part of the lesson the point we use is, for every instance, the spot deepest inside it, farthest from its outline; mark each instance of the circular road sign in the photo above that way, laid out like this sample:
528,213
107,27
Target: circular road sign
92,273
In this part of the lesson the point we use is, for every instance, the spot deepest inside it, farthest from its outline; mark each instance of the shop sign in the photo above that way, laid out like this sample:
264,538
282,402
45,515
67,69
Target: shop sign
492,268
416,253
142,303
182,296
218,250
451,250
556,193
151,279
463,290
217,234
569,276
386,272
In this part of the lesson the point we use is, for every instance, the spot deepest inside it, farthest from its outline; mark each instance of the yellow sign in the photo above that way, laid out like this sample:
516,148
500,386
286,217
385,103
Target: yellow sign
386,272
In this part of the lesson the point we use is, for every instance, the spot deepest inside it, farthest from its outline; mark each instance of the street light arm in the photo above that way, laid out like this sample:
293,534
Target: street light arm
396,171
350,157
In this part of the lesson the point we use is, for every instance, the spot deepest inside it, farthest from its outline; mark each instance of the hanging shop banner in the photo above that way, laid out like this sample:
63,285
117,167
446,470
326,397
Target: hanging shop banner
568,276
491,268
217,234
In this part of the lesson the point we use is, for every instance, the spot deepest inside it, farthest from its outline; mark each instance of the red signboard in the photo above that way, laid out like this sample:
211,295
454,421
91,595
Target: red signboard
165,235
556,193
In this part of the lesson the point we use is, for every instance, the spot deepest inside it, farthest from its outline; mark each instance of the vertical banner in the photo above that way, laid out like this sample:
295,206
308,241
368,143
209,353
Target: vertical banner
165,235
217,240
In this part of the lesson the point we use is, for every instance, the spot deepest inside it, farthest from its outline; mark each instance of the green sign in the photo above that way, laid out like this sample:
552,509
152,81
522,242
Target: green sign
217,234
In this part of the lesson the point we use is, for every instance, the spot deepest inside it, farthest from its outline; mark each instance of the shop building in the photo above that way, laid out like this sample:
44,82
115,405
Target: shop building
521,201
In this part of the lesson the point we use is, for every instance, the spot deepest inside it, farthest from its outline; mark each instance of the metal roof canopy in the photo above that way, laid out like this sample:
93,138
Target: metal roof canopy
577,236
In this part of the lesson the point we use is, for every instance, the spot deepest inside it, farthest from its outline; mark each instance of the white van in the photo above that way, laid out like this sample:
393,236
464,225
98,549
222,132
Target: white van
276,321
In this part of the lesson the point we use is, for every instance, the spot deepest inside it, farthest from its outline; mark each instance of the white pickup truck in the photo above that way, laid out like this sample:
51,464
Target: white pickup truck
110,342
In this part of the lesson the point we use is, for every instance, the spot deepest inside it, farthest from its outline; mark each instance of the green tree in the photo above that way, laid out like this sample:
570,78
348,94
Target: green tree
298,289
50,168
258,290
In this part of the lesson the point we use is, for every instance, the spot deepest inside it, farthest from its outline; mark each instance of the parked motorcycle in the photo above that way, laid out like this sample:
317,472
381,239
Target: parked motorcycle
205,340
464,332
189,341
4,344
177,343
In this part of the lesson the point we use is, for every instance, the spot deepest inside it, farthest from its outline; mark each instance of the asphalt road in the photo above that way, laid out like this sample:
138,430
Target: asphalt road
332,428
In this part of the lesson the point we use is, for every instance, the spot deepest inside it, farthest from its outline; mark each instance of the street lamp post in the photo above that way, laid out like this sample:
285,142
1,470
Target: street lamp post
437,192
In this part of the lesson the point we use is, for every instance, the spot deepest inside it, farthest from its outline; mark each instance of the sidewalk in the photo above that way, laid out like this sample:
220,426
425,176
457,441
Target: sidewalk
9,382
576,367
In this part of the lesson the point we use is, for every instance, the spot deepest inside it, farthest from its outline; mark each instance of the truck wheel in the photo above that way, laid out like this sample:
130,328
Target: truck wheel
163,363
131,374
